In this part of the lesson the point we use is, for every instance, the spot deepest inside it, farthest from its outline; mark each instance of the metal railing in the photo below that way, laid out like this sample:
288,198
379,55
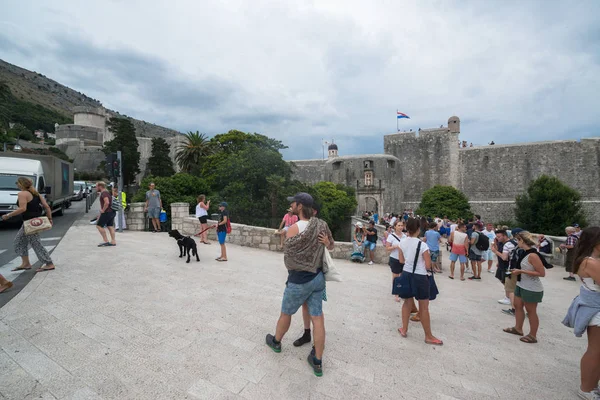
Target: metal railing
89,200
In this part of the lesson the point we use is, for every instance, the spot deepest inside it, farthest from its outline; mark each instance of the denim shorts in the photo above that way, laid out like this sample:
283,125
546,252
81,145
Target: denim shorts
454,257
488,255
370,245
221,236
473,256
154,212
434,255
310,292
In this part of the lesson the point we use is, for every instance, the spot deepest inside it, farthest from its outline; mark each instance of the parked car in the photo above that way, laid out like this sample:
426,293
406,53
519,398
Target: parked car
79,190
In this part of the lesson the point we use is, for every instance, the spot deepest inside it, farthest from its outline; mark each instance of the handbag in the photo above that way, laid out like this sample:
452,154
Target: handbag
36,225
433,289
402,285
329,270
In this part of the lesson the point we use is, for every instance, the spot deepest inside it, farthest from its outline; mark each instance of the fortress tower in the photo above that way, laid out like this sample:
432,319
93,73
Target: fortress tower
454,124
332,150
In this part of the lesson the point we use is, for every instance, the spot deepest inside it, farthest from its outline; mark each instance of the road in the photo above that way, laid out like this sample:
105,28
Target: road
50,239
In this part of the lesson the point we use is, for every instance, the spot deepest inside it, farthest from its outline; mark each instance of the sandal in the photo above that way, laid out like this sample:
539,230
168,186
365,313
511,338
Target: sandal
20,268
8,285
206,242
104,244
436,342
528,339
451,277
402,332
221,259
462,278
415,318
42,269
513,331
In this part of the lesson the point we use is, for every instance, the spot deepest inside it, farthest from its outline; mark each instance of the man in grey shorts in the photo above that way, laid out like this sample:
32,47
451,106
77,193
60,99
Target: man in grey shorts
153,206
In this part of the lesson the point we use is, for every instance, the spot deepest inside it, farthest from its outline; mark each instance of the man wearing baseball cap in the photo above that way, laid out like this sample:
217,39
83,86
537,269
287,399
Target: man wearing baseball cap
222,229
303,257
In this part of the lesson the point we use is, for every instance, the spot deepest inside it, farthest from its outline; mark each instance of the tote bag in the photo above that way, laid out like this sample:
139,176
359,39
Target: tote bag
329,270
402,285
36,225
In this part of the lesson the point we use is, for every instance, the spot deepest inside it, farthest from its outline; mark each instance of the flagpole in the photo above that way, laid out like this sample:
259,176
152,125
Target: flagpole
397,127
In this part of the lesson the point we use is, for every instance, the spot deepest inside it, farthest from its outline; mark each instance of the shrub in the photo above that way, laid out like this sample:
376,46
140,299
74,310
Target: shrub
444,200
548,206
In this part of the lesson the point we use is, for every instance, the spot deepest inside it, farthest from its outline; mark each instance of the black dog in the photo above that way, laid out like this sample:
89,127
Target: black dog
186,245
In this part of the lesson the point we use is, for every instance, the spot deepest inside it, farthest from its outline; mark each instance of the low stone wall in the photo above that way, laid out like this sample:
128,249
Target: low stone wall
134,218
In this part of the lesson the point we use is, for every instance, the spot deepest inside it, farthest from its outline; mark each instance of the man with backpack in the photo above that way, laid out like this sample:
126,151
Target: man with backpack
478,245
505,250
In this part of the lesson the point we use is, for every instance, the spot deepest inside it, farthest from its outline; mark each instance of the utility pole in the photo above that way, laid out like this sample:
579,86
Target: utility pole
121,213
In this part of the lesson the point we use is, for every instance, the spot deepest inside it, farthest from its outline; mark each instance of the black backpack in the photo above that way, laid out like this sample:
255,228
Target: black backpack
515,256
483,242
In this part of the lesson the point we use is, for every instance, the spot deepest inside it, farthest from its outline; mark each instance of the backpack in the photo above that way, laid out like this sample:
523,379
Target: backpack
228,226
515,256
483,242
545,263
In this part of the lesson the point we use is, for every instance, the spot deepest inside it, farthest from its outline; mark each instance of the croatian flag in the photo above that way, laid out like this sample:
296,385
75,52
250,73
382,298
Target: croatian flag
402,115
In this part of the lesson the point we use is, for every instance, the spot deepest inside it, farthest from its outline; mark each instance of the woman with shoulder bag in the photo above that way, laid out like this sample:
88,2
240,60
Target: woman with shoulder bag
414,253
30,203
393,246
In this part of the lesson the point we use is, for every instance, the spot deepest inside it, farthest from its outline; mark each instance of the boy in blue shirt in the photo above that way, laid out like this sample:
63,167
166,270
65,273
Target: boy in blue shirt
433,239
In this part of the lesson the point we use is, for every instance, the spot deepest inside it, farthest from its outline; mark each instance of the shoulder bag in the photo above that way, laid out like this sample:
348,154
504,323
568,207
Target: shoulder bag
402,285
329,270
36,225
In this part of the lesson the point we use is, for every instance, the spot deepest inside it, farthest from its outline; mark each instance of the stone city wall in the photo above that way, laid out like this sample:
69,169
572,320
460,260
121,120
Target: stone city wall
309,171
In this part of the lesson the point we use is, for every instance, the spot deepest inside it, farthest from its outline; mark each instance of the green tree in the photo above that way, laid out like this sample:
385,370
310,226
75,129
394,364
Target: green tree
125,141
548,206
444,201
180,187
160,163
190,154
338,202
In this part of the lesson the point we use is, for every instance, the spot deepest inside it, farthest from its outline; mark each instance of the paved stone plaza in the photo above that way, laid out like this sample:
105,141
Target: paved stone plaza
137,322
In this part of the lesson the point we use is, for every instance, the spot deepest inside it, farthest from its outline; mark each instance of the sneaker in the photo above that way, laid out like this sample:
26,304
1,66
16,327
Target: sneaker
276,347
302,340
505,301
370,262
569,278
317,368
593,395
510,311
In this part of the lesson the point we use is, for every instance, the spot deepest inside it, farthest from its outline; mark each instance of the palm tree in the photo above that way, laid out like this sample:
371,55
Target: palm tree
190,153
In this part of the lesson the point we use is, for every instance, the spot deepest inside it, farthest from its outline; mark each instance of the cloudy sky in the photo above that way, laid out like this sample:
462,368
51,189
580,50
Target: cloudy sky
305,70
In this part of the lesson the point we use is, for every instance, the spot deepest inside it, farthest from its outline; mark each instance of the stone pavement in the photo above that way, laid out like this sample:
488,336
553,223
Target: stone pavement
137,322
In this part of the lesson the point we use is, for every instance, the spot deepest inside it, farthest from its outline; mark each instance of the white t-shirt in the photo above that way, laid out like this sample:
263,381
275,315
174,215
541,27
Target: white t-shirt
392,221
409,248
200,212
302,225
453,227
490,234
394,243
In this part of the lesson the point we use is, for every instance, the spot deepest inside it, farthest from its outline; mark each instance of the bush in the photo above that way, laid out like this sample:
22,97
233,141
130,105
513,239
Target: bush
549,206
338,202
443,201
89,176
179,188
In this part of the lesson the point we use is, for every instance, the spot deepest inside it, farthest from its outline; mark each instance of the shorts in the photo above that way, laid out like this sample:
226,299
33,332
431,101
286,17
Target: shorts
454,257
285,228
420,286
488,255
106,219
434,254
529,296
370,245
395,265
203,219
510,283
310,292
221,235
473,256
154,212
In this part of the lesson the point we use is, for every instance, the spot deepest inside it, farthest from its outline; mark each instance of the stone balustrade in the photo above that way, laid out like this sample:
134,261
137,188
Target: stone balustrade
134,217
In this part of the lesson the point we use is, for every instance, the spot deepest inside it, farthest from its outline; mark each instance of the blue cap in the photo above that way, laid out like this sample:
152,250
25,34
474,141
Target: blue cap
514,231
223,204
575,225
302,198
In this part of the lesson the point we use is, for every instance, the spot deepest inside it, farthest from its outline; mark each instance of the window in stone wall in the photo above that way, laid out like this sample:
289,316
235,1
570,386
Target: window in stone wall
368,178
337,165
391,164
368,164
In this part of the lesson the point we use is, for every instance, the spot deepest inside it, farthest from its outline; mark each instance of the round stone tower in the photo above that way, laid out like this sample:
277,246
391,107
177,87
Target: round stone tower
454,124
332,150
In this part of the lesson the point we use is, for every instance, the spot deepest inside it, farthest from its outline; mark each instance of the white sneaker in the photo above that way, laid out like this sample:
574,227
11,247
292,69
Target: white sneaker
370,262
490,271
593,395
505,301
